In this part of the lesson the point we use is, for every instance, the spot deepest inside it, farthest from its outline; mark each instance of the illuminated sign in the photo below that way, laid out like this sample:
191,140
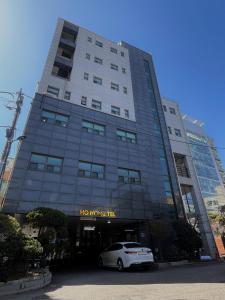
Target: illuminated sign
97,213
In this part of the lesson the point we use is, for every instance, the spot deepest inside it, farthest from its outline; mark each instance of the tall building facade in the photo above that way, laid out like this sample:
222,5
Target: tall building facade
198,173
97,146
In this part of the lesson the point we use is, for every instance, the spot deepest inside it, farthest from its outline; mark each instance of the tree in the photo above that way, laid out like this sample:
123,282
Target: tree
31,248
188,239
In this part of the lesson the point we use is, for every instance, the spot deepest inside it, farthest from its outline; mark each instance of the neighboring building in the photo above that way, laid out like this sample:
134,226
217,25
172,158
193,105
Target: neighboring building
6,178
96,142
200,182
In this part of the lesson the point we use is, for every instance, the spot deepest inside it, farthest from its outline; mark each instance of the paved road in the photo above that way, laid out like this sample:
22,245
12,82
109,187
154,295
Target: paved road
193,282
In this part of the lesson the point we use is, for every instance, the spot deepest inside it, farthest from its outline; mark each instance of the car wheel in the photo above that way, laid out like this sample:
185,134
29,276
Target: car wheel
100,263
120,265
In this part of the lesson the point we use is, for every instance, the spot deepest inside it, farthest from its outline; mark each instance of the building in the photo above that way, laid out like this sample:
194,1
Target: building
96,142
199,177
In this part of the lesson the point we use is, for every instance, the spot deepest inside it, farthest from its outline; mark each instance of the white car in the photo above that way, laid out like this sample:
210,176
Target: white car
125,255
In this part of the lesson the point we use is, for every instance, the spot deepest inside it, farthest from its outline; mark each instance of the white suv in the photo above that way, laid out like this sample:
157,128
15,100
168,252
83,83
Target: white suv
125,255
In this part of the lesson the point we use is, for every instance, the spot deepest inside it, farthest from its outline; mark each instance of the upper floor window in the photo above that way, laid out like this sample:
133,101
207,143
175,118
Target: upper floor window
125,90
165,108
114,67
172,111
93,127
123,70
52,117
129,176
53,90
86,75
46,163
96,104
97,80
67,95
98,60
126,136
113,50
177,132
126,113
115,110
83,100
169,130
114,86
88,56
91,170
89,39
99,44
122,53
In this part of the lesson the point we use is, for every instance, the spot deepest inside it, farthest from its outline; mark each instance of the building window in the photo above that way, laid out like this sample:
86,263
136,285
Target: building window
126,112
86,75
88,56
89,39
97,80
181,165
177,132
126,136
115,110
93,127
113,50
98,60
169,130
53,90
123,70
114,67
99,44
165,108
52,117
96,104
125,90
46,163
61,70
172,111
122,53
90,170
67,95
83,100
114,86
129,176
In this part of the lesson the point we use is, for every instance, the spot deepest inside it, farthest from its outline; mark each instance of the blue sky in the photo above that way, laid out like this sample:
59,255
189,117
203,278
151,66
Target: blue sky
186,38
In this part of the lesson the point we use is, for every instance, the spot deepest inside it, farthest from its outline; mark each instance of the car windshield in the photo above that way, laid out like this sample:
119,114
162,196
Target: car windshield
132,245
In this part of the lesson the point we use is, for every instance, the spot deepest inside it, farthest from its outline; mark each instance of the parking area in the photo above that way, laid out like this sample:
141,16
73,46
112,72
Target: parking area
192,282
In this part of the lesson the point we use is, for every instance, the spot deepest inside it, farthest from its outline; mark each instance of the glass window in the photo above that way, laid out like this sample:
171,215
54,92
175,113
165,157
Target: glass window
97,80
126,136
86,75
45,163
114,86
164,108
91,170
99,44
122,53
169,130
98,60
93,127
88,56
114,67
172,110
125,90
96,104
123,70
67,95
83,100
115,110
129,176
126,113
113,50
177,132
54,118
53,90
89,39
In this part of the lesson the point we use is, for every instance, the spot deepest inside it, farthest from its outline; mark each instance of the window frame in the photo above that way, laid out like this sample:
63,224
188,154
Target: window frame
50,87
97,102
93,127
54,120
116,110
91,171
45,163
97,80
127,179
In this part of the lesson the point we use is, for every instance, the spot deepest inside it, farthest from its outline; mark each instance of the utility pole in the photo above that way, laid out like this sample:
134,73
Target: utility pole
10,135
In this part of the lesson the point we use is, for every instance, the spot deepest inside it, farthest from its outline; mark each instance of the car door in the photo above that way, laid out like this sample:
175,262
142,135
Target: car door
107,256
115,254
